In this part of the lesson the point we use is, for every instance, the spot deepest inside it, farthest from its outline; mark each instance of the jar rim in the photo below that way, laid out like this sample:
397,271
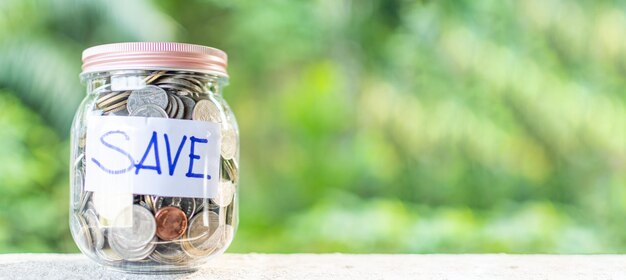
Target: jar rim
154,55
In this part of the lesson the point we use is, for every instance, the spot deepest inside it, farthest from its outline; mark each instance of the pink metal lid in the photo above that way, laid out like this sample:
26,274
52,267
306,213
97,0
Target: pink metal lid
155,55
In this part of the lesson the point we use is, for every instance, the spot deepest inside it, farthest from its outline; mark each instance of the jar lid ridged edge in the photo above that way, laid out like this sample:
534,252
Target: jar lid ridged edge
170,55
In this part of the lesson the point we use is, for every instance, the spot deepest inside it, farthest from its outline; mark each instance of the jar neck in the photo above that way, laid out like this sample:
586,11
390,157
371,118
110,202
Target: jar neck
175,80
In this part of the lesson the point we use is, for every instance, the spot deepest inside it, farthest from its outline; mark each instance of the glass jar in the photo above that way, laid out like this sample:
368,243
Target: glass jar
154,158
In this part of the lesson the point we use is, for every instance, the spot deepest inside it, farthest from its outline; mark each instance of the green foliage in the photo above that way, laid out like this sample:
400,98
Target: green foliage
367,126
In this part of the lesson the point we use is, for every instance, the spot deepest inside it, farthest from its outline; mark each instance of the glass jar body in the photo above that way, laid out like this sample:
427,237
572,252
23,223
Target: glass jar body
153,170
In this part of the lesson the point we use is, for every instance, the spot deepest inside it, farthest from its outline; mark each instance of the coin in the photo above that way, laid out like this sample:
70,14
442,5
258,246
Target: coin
230,171
147,95
202,227
119,111
180,92
188,104
79,162
118,106
152,77
196,81
173,105
231,215
168,108
78,184
203,234
112,100
137,198
108,254
202,204
145,205
85,198
82,137
133,253
225,193
171,223
173,87
133,227
102,97
149,111
179,106
206,110
149,202
179,83
229,143
82,235
94,228
170,253
187,205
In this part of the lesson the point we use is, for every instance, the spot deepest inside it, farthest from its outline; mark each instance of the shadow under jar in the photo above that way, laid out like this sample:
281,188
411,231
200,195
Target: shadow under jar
154,158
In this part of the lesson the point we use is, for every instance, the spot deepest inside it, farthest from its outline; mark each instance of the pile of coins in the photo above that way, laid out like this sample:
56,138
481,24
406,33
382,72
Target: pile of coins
148,228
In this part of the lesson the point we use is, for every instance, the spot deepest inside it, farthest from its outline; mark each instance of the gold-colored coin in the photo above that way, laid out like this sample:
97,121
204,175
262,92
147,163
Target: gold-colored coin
112,99
153,77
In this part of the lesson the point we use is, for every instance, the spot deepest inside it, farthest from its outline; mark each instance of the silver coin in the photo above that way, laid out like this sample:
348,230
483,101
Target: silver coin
134,254
147,95
229,143
206,110
174,87
82,137
188,104
77,191
149,111
82,235
134,227
230,170
225,193
186,204
202,227
170,253
78,162
203,234
148,199
183,92
174,106
145,205
108,254
196,81
95,229
121,111
183,83
180,107
202,204
168,108
84,200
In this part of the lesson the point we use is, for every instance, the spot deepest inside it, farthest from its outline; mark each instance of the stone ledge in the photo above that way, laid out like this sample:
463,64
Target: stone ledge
336,266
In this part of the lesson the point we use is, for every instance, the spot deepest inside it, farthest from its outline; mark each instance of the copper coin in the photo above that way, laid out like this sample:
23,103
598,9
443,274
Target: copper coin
171,223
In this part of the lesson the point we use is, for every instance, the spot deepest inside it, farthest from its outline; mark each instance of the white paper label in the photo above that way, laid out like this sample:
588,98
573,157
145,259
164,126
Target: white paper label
157,156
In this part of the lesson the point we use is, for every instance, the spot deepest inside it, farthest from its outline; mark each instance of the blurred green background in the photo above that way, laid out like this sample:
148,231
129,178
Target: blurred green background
366,126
